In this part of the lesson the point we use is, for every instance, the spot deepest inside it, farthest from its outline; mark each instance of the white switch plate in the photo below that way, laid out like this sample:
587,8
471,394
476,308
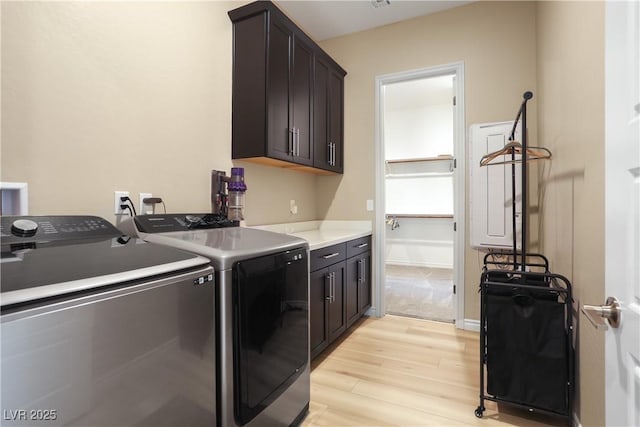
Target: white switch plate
117,202
369,205
144,208
293,208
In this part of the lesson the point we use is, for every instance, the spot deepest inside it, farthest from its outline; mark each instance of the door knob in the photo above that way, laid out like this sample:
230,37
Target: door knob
598,313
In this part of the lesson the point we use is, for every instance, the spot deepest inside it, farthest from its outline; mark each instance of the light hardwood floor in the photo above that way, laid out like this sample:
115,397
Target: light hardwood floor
398,371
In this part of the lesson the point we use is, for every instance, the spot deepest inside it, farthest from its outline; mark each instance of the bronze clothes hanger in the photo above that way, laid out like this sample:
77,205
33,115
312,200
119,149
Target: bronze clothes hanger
513,148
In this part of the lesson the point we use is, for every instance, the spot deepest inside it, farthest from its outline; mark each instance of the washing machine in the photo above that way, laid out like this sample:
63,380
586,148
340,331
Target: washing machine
262,303
101,329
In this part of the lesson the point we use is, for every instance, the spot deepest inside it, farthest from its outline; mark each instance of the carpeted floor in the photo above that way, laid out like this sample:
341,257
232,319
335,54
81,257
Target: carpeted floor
421,292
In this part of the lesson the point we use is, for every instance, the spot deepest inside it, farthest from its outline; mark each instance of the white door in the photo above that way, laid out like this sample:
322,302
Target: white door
622,210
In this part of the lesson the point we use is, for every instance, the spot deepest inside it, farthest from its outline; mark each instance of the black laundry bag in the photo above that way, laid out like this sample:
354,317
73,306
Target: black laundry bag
526,344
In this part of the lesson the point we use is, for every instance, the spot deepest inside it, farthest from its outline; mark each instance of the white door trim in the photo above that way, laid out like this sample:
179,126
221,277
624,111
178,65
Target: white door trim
459,153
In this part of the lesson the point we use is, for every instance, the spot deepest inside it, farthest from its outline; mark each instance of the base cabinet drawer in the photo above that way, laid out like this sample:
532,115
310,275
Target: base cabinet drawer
325,257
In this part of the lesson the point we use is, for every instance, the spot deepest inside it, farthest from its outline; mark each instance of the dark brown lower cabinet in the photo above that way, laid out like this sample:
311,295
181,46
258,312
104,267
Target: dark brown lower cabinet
358,287
340,290
327,314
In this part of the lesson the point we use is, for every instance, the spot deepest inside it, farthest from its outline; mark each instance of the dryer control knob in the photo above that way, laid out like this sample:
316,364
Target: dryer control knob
192,219
24,228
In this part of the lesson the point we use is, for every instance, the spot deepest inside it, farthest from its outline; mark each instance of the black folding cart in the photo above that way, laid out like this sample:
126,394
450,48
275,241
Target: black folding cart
526,341
526,314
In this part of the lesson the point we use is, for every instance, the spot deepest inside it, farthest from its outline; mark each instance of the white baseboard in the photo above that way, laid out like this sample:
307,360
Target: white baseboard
372,312
471,325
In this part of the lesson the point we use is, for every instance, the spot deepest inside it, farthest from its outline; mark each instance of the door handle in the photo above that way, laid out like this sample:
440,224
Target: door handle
296,145
596,314
362,245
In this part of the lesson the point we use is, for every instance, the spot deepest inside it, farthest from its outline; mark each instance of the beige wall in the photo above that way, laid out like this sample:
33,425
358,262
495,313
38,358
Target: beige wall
571,124
496,41
135,96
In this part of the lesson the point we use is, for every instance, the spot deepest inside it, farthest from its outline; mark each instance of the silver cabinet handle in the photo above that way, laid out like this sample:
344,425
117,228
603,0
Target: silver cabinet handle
296,145
328,278
332,288
596,314
359,270
362,245
332,154
291,142
329,153
364,270
331,255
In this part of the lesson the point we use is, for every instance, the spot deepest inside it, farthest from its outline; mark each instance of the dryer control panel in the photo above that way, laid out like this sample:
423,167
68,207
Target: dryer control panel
41,229
164,223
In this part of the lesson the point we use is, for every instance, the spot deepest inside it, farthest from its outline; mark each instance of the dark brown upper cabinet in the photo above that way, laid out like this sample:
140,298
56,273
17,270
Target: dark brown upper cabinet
328,115
287,106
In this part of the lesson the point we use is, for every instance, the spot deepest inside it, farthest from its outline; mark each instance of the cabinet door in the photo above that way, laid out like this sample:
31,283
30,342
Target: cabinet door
321,149
327,115
336,105
364,292
302,102
337,312
352,288
318,311
279,132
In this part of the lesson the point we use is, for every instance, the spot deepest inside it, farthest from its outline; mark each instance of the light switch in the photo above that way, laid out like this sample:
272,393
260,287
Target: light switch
369,205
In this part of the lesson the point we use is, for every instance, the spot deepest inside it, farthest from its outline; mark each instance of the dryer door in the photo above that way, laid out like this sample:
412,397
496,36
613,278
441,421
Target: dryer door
271,341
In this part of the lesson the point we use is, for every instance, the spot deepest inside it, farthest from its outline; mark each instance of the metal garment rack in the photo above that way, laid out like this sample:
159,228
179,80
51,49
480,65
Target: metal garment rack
526,317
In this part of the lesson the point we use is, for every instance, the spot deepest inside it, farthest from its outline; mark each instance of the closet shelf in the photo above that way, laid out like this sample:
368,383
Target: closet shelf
439,158
418,174
432,216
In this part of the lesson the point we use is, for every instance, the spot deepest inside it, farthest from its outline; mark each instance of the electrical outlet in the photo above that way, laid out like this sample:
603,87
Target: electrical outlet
293,208
369,205
117,202
145,208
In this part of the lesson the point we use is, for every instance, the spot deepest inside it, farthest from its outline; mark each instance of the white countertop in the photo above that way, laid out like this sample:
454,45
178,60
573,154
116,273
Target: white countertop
321,234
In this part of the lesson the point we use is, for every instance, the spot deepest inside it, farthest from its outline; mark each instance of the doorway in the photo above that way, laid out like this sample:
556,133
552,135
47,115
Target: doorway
419,146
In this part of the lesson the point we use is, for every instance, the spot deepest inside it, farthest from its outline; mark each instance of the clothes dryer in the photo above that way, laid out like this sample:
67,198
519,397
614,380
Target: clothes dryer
262,303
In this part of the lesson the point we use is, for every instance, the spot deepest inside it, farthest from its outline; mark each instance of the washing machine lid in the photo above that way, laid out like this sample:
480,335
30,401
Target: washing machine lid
223,246
44,257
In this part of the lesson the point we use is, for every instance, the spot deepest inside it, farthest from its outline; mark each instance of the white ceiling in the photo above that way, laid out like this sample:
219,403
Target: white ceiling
327,19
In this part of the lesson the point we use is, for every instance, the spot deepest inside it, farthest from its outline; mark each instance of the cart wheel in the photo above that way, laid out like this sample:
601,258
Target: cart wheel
479,410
